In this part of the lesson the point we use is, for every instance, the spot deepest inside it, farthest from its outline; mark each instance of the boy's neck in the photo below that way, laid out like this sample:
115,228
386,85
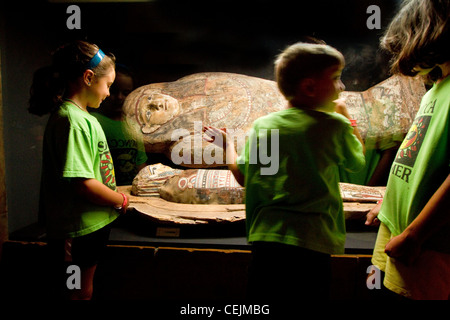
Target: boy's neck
307,106
300,105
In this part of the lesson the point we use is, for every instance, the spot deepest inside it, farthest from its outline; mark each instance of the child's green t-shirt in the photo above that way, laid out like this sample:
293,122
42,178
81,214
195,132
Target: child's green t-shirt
374,149
126,149
421,166
74,147
298,201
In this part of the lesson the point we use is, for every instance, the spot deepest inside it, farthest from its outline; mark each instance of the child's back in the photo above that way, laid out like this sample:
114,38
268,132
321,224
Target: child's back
294,211
301,204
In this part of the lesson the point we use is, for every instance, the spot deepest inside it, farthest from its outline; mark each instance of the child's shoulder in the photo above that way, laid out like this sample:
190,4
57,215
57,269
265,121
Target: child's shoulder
339,118
104,120
267,117
297,115
77,117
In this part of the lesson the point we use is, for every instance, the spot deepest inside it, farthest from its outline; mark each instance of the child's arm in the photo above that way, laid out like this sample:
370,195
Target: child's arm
381,173
96,192
342,109
230,151
406,246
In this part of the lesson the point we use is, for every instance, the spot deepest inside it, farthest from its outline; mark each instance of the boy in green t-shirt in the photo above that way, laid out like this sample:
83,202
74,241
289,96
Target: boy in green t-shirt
294,214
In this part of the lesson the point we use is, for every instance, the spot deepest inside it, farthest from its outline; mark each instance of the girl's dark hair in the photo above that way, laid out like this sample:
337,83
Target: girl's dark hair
69,63
419,35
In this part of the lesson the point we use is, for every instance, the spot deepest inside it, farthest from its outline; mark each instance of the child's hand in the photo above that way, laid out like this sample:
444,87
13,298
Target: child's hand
341,107
372,216
403,248
215,136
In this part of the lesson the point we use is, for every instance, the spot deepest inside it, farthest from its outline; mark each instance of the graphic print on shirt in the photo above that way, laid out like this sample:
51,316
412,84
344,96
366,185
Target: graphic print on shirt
106,166
125,160
410,147
124,152
407,153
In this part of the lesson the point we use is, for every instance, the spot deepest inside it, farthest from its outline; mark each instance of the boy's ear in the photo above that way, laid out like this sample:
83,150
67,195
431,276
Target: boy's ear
88,76
307,87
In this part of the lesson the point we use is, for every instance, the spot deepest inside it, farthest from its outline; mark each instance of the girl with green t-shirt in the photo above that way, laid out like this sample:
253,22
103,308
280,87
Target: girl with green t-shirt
413,243
78,199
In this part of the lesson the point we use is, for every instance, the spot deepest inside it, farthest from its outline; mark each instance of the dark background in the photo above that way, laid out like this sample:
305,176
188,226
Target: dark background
164,40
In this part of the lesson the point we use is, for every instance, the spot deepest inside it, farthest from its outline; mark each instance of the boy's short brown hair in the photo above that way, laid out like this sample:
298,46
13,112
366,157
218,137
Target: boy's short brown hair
303,60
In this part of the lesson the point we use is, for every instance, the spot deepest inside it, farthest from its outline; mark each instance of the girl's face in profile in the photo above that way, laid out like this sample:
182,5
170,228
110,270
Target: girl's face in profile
99,89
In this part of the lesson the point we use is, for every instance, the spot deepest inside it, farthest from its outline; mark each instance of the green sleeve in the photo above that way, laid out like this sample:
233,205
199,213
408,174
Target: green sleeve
243,157
80,155
353,158
141,154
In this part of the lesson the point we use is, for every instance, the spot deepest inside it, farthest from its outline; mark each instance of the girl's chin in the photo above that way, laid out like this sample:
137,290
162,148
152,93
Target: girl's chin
96,106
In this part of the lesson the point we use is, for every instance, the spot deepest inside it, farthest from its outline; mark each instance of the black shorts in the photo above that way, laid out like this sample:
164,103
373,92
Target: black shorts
84,251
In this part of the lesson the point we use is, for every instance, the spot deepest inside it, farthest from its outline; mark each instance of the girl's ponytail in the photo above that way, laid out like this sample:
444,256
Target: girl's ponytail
46,91
69,63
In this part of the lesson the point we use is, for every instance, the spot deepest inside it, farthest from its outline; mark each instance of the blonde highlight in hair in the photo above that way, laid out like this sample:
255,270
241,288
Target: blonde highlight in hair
418,36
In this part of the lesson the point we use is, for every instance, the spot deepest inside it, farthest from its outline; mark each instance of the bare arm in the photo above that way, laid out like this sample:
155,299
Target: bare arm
381,173
96,192
230,151
232,166
342,109
406,246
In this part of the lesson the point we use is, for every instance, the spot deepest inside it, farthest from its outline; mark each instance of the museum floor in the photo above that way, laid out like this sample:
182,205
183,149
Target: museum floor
208,264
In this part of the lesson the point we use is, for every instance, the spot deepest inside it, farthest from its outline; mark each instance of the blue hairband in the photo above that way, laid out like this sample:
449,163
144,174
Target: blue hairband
96,59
